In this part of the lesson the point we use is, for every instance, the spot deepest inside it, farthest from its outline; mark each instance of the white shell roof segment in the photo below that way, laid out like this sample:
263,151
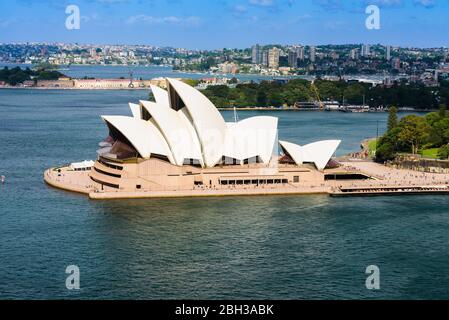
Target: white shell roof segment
198,131
319,152
195,143
251,137
135,110
160,95
143,135
183,144
207,120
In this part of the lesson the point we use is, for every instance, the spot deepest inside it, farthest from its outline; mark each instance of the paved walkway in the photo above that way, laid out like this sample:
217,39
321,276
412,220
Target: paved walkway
79,181
392,176
76,181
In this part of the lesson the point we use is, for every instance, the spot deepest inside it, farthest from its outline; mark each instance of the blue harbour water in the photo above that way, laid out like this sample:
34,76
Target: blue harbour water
146,72
279,247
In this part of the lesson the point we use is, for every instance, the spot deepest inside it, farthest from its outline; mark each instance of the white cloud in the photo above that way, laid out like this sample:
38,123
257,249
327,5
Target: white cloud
330,4
301,18
91,17
425,3
111,1
240,9
264,3
335,25
385,3
172,20
6,22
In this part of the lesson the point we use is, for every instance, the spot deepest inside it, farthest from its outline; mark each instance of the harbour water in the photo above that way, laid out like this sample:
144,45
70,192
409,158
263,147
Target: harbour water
281,247
146,72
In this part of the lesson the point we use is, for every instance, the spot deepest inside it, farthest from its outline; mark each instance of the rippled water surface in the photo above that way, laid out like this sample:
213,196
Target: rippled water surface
288,247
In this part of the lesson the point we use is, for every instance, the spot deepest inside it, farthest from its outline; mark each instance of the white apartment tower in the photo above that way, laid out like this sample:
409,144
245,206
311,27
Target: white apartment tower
273,58
312,54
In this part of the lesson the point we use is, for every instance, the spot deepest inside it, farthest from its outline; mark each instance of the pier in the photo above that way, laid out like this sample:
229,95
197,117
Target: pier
388,190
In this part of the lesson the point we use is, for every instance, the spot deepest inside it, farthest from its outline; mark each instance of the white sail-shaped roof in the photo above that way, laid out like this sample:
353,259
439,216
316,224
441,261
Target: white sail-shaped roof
135,110
319,152
251,137
182,141
196,145
185,125
148,103
160,95
206,119
143,135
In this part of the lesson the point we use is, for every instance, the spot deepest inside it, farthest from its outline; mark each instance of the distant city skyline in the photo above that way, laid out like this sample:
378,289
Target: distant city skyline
216,49
210,25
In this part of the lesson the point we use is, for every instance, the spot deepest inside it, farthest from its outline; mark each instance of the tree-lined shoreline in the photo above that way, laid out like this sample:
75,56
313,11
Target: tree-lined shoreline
273,93
426,135
17,75
283,94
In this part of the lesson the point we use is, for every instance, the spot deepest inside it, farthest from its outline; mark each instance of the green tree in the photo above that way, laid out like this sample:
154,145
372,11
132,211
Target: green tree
275,93
17,78
191,82
443,152
387,146
385,151
392,118
46,66
442,111
329,90
439,134
414,130
354,93
233,81
261,99
432,117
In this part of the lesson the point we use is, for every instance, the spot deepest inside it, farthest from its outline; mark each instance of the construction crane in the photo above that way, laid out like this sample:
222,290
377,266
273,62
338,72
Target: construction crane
131,78
317,94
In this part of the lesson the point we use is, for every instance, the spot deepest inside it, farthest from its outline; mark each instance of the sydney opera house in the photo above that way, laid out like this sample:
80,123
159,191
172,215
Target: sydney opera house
179,144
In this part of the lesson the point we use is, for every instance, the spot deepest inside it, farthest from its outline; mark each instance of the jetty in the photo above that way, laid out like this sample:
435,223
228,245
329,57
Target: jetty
388,190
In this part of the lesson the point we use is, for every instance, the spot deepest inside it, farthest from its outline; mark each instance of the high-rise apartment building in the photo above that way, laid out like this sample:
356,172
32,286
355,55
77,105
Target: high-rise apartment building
273,58
388,53
366,50
293,59
312,54
354,54
396,63
300,52
264,57
256,54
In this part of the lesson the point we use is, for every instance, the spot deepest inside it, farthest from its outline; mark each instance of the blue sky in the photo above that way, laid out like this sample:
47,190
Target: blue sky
211,24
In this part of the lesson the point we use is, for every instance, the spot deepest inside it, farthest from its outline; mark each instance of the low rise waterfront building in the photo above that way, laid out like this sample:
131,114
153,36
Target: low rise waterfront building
61,83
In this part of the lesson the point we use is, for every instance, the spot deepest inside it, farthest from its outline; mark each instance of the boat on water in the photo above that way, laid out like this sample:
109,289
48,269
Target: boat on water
332,106
356,108
353,107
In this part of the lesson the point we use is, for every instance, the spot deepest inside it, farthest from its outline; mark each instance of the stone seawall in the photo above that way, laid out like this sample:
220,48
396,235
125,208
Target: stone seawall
417,163
89,84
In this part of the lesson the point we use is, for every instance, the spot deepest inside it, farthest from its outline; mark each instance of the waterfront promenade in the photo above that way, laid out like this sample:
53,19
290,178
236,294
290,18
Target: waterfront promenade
391,176
381,179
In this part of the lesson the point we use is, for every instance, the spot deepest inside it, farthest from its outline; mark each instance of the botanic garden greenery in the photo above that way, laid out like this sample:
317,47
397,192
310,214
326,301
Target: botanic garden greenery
17,75
273,93
392,118
413,134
